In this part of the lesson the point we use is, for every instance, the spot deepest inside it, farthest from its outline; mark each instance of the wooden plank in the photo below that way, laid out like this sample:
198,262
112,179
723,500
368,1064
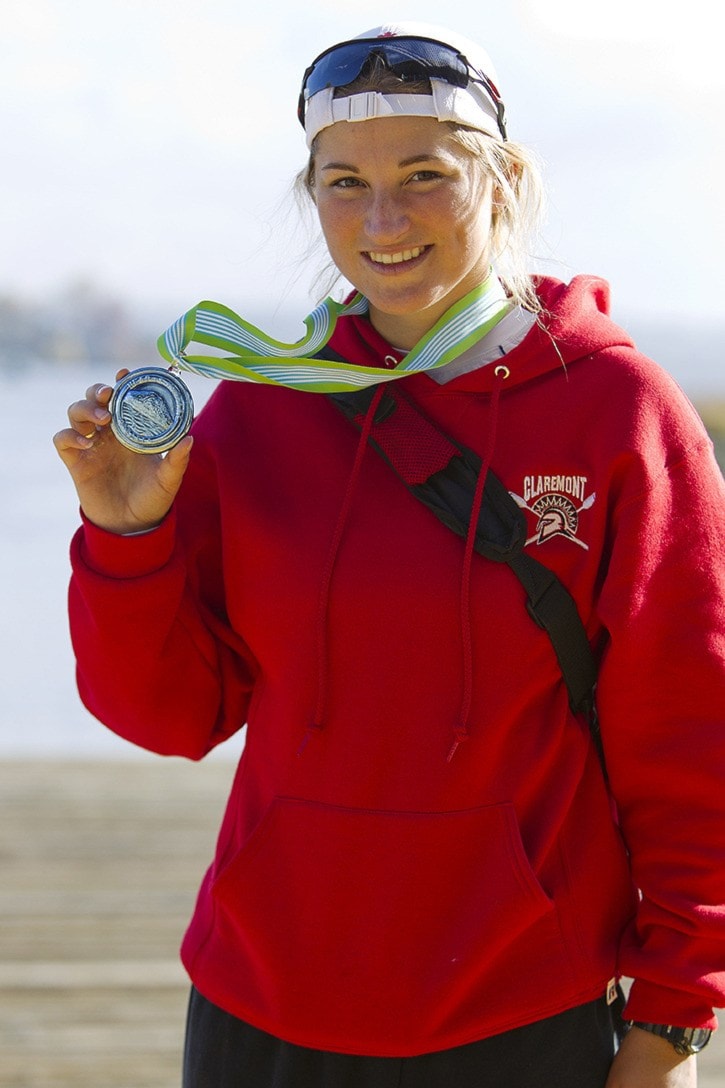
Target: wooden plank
101,863
100,867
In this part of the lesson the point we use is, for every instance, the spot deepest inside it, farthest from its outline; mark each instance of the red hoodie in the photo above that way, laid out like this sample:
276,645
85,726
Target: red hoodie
368,894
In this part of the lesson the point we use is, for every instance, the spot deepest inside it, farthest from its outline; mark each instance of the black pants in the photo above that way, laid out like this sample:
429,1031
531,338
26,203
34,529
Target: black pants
571,1050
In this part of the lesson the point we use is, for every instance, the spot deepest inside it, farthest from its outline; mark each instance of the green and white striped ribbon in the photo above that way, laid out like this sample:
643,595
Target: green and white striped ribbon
254,353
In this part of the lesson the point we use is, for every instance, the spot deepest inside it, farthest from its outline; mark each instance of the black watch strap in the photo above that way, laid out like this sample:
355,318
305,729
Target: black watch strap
684,1040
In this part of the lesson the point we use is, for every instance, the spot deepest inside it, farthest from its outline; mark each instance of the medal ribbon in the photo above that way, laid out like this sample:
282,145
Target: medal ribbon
253,352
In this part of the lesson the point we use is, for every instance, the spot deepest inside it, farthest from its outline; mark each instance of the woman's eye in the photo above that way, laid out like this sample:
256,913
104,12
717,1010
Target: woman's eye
425,175
345,183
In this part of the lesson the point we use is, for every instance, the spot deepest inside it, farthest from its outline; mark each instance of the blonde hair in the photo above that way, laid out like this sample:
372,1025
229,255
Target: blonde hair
518,208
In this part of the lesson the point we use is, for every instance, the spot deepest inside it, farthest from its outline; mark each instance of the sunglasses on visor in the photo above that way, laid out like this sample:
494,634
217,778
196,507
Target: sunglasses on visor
410,59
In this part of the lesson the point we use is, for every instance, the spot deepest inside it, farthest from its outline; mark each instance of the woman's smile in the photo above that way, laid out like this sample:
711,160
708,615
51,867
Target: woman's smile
401,257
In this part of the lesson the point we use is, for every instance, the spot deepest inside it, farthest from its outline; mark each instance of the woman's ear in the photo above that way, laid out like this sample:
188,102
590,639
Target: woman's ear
499,204
505,191
514,174
310,182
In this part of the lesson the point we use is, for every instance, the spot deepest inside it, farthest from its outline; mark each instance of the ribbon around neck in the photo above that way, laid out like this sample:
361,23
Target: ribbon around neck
253,352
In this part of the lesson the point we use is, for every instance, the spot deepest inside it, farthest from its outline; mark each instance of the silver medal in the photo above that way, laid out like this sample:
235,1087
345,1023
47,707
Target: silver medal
151,410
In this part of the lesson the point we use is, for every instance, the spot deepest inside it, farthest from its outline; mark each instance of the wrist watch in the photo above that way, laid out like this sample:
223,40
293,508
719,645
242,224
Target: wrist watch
684,1040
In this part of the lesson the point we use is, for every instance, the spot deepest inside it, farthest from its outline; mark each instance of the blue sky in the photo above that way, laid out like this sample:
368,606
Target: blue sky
149,145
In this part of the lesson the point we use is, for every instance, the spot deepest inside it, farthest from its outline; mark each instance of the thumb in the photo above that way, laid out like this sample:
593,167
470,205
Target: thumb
174,464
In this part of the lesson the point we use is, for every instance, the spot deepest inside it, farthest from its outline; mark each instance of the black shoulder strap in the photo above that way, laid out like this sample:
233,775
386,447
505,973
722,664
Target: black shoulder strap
443,474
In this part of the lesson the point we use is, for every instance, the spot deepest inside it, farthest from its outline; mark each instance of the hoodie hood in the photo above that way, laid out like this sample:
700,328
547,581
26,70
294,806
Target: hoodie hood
574,324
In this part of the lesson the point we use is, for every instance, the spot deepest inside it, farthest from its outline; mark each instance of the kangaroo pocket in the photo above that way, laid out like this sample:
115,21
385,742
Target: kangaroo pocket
373,932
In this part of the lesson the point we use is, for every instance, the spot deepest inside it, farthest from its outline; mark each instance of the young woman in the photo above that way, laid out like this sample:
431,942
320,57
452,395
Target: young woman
423,877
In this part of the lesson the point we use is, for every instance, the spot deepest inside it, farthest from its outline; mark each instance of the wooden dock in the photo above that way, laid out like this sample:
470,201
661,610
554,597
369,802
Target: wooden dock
100,866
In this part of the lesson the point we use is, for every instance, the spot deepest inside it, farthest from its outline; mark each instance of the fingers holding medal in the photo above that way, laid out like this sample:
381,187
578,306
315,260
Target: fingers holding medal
88,418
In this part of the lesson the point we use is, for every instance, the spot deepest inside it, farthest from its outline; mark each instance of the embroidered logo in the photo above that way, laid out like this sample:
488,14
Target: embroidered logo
556,503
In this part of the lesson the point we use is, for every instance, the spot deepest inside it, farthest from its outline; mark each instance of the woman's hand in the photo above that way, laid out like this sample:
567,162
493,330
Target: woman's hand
646,1061
119,490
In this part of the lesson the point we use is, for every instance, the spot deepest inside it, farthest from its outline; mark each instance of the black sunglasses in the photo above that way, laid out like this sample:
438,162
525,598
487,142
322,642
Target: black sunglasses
408,58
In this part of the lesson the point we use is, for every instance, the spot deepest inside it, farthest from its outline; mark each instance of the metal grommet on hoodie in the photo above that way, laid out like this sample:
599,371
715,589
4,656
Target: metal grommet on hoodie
151,410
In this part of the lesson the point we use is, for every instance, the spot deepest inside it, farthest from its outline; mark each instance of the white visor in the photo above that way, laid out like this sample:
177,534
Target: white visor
469,106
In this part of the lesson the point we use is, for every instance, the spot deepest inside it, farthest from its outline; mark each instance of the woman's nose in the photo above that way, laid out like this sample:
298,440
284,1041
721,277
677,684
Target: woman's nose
386,219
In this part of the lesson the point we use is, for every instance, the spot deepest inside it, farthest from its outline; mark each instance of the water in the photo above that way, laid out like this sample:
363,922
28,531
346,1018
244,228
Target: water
40,712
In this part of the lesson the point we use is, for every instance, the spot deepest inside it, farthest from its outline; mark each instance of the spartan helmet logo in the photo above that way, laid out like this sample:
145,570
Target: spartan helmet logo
558,516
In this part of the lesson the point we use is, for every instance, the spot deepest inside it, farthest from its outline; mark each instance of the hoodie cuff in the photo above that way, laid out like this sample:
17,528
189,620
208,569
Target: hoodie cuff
653,1004
114,555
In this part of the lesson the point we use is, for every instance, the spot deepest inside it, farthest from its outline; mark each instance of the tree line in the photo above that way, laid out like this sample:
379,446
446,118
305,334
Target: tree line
80,323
